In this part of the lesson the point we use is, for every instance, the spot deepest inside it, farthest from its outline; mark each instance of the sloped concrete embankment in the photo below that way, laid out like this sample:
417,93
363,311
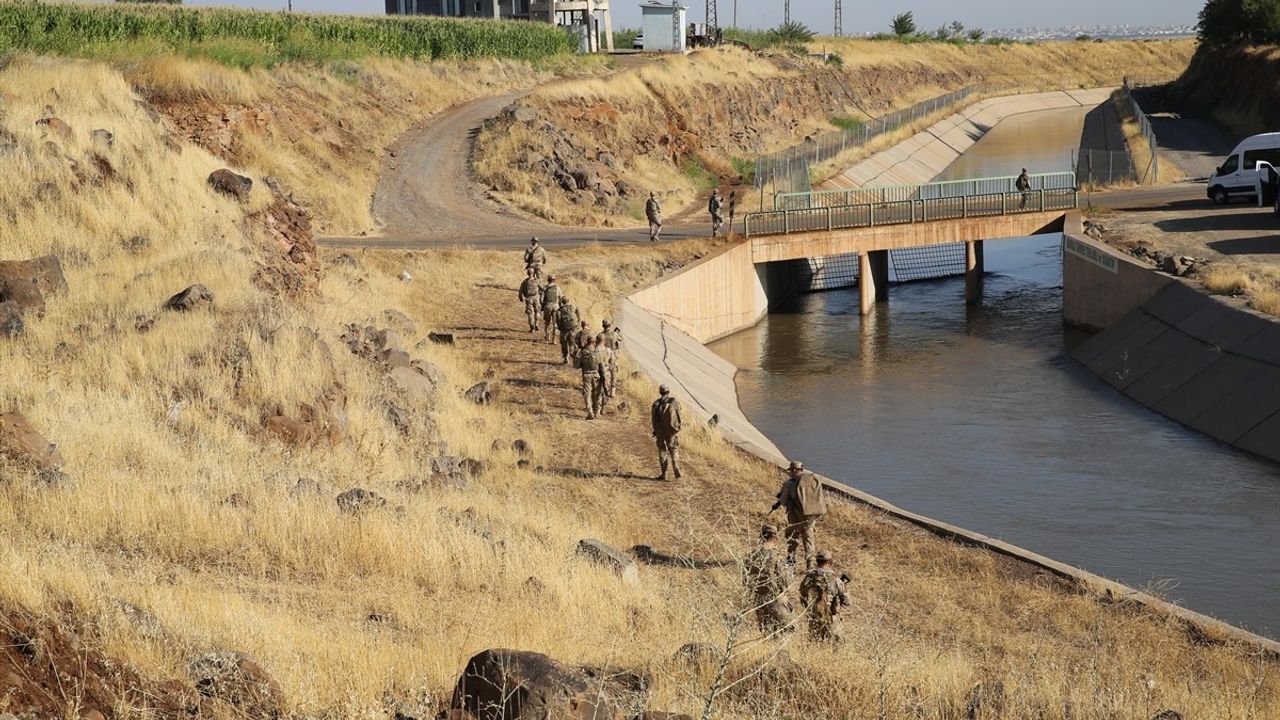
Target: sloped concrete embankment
1167,344
927,154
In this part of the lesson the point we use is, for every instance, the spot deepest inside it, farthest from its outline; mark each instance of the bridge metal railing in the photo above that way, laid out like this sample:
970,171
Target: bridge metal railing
927,191
903,212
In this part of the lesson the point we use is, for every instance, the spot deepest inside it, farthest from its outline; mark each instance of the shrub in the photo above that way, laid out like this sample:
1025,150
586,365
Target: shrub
904,24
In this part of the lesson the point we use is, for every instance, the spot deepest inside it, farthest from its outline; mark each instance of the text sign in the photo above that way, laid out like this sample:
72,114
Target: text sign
1085,251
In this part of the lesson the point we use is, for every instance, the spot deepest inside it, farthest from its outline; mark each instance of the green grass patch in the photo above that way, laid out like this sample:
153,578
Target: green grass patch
845,122
697,171
249,38
746,168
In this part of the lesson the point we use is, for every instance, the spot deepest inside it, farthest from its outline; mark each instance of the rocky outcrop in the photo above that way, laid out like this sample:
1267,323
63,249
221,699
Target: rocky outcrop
55,127
516,685
189,299
229,183
357,500
611,558
24,285
293,268
238,681
24,445
325,419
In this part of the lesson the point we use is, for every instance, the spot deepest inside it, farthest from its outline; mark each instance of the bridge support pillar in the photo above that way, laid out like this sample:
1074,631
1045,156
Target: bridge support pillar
873,279
974,268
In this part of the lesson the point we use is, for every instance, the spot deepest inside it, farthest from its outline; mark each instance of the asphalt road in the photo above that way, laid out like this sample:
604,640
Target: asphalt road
1195,144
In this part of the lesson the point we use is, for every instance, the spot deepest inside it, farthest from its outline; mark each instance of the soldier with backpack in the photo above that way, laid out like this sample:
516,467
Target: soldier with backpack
767,578
592,365
804,501
550,304
566,320
531,295
823,594
582,340
665,418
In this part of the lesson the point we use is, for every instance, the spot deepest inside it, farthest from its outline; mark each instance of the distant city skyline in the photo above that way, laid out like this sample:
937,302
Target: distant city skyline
858,17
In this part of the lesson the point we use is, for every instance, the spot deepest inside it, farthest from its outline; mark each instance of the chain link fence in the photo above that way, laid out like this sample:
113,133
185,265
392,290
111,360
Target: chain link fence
1151,173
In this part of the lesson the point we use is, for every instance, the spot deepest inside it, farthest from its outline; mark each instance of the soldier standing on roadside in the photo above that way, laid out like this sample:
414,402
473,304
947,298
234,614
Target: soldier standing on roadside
531,293
592,380
653,211
1023,184
535,257
613,341
823,594
803,499
566,320
550,305
665,418
767,578
715,207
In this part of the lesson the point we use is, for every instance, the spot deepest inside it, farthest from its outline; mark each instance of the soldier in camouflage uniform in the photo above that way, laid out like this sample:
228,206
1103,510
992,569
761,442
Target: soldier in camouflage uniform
566,320
550,304
535,258
767,578
715,206
823,594
665,418
605,355
613,340
582,339
592,366
653,212
531,294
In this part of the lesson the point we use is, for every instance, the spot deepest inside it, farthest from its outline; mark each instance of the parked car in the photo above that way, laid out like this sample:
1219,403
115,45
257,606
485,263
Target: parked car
638,43
1239,174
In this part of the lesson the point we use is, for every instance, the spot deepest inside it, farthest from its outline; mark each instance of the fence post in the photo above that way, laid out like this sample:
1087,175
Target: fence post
1004,203
786,222
964,206
828,217
871,214
1041,199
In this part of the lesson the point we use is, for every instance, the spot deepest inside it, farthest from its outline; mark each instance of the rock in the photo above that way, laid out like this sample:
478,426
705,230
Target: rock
522,463
625,189
235,679
411,382
516,685
405,276
1187,260
189,299
522,448
657,715
136,244
479,393
346,260
399,418
55,479
229,183
395,317
452,714
55,126
1167,715
355,500
326,418
474,468
525,114
397,359
585,178
23,293
102,137
440,338
45,272
11,323
143,323
1171,265
610,557
23,444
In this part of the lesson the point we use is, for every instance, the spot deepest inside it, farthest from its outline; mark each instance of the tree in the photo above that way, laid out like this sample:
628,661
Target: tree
976,35
1227,21
957,28
904,24
791,33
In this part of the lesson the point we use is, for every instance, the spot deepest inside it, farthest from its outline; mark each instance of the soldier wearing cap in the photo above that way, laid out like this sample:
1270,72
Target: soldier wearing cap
767,578
823,594
583,339
531,295
535,257
591,362
550,304
612,338
801,520
604,355
567,319
665,418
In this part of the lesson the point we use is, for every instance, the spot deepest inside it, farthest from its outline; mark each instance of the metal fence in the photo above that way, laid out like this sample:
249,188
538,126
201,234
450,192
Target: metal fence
927,191
1099,168
1152,172
789,169
900,212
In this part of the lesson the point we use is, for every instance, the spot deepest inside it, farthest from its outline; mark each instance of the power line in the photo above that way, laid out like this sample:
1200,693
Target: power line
839,19
786,12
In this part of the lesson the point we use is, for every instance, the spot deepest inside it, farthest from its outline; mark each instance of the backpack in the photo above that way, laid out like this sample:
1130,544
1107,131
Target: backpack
667,418
810,496
566,318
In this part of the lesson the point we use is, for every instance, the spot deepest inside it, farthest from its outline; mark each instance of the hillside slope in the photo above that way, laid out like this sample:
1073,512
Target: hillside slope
1238,85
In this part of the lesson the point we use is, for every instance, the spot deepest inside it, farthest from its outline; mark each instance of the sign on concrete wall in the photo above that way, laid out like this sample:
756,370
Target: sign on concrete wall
1090,253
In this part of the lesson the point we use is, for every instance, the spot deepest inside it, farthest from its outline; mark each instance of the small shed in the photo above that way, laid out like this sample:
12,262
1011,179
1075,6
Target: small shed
663,26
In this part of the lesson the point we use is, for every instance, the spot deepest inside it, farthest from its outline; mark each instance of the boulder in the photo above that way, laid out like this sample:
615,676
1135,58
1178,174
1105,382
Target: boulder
55,126
1171,265
11,324
1167,715
44,272
355,500
522,448
440,338
397,318
103,137
229,183
525,114
480,393
23,444
23,293
412,383
399,418
189,299
237,680
518,685
611,558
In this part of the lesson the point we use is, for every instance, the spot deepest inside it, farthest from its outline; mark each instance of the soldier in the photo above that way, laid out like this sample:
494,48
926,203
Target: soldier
589,362
582,339
550,305
767,579
566,320
714,206
1023,184
823,595
531,293
653,211
803,498
612,340
535,258
665,418
605,355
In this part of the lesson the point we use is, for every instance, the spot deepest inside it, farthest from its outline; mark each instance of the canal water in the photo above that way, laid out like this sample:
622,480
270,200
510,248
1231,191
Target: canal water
976,416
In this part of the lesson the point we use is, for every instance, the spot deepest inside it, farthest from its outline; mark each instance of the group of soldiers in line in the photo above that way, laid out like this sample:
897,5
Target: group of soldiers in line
595,354
769,576
715,208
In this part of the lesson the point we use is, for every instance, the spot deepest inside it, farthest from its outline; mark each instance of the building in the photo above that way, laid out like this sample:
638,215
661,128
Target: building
587,20
663,27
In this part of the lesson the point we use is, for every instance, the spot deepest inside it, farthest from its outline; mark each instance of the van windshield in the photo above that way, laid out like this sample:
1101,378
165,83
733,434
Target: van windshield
1231,165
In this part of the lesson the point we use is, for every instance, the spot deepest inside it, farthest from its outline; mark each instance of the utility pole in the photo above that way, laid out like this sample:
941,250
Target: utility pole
713,17
839,19
786,12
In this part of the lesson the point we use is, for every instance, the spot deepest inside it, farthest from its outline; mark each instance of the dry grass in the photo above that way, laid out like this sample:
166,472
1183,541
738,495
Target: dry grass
1257,282
1140,149
355,615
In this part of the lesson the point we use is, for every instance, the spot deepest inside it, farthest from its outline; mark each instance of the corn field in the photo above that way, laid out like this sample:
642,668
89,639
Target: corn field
75,29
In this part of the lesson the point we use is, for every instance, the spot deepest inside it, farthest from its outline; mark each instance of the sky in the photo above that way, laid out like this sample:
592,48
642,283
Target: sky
860,15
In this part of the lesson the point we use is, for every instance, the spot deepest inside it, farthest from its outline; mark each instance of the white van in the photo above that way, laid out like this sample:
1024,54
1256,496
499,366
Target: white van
1238,175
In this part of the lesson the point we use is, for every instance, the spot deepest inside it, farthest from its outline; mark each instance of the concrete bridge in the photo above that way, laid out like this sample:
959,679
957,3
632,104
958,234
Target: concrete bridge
869,222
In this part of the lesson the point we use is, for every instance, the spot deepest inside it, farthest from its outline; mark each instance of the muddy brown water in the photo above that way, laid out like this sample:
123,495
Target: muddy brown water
976,416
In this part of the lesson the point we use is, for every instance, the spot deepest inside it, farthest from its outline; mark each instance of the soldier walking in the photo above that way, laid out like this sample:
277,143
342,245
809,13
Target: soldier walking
715,207
566,320
653,211
613,341
1023,184
767,578
531,293
592,380
803,499
582,339
604,355
535,257
665,418
823,594
550,305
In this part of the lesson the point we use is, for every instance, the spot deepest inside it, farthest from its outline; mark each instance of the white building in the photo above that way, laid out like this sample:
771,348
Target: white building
663,27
